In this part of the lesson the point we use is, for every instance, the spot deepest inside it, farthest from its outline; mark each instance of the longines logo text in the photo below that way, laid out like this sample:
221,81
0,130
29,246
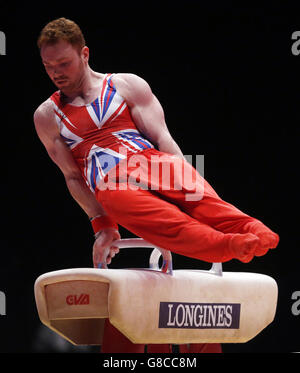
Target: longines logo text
2,304
199,315
2,43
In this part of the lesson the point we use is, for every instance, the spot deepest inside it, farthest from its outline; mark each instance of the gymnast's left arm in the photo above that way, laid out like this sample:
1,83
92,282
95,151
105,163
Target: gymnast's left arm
146,111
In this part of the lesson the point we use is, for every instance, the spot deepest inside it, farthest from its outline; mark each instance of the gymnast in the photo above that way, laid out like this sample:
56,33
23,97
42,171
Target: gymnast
107,134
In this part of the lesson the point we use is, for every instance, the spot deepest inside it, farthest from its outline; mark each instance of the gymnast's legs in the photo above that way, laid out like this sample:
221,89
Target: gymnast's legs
208,229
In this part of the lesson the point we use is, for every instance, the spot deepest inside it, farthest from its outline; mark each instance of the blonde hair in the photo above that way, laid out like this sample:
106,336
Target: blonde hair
61,29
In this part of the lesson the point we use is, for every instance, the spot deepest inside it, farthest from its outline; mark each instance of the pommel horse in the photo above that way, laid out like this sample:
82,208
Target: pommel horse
156,304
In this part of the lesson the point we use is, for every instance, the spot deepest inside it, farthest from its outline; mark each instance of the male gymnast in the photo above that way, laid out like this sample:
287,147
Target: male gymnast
103,129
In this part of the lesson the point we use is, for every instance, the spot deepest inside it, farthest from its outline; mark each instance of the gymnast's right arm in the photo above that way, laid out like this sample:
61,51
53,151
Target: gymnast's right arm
60,154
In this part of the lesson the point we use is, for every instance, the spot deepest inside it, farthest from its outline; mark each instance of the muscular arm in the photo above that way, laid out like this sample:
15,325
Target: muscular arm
60,154
103,248
146,112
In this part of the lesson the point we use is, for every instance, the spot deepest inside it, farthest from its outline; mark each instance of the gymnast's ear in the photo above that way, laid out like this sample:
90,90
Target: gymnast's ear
85,54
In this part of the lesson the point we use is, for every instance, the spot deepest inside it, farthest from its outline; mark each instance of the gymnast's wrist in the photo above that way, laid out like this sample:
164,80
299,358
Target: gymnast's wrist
101,222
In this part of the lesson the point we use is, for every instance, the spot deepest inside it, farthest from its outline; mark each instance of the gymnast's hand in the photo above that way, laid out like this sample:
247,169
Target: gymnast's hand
103,249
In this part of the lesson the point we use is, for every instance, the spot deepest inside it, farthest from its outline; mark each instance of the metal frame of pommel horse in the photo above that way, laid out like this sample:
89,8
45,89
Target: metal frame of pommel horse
156,305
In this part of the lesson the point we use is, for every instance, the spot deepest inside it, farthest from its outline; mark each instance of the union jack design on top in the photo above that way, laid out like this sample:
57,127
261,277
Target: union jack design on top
99,134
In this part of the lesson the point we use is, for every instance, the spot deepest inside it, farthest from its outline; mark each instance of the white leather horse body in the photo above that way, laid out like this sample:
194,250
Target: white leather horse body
156,305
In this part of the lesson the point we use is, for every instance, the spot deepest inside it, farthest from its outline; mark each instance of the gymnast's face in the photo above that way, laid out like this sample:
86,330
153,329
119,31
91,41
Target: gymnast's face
65,64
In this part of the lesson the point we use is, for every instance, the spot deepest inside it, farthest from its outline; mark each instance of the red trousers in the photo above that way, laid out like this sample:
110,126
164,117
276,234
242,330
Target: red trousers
153,206
148,195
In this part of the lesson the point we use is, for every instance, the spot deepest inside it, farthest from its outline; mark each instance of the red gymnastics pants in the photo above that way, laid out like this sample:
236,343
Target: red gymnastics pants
155,206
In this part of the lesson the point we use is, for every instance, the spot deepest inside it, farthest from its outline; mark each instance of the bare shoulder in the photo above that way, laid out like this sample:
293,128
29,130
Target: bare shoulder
128,79
45,123
131,86
44,112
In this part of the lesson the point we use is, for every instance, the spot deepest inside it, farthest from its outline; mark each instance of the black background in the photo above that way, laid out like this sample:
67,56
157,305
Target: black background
229,85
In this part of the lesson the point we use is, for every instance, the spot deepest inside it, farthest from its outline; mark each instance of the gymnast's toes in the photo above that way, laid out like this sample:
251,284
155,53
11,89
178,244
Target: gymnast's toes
268,240
244,246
